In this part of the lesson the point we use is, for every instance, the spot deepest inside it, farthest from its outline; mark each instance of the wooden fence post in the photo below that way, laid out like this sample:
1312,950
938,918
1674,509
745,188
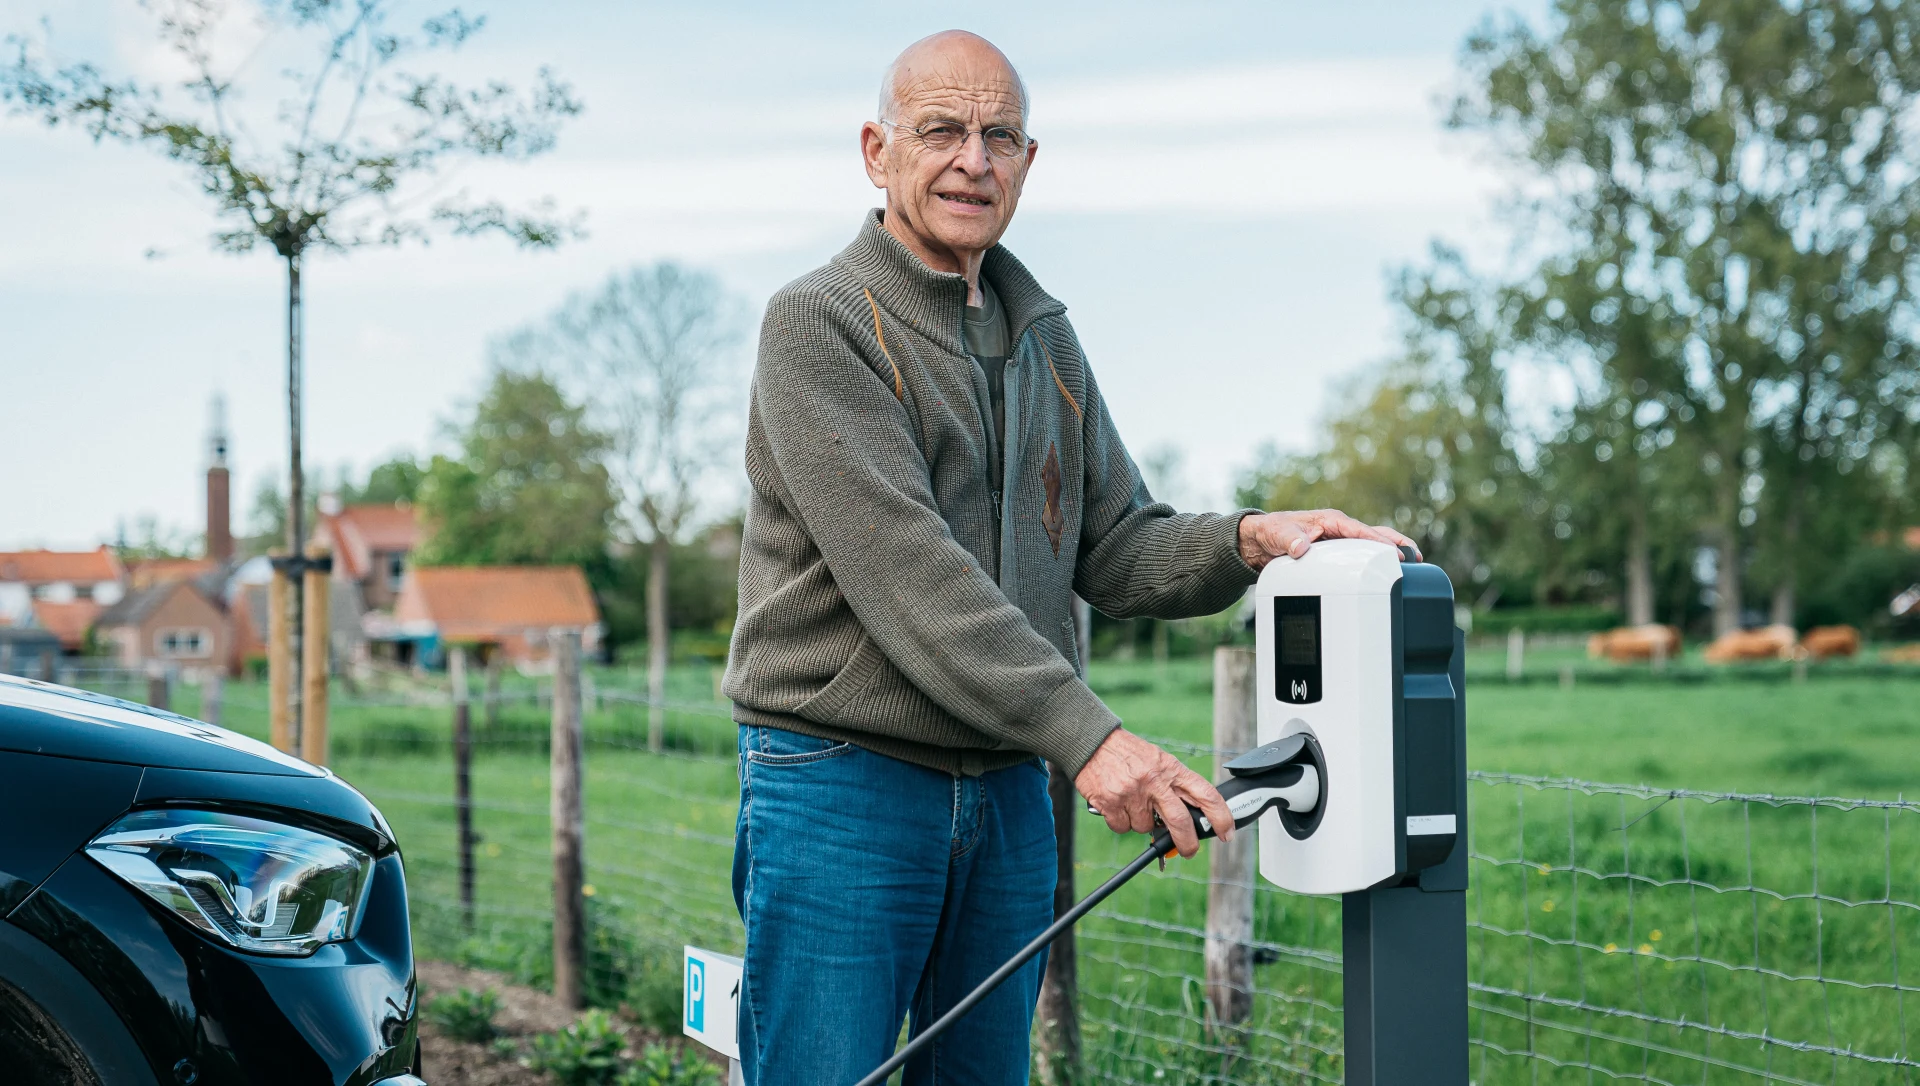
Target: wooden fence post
1058,1053
279,661
1230,878
1516,654
316,636
462,777
46,665
569,906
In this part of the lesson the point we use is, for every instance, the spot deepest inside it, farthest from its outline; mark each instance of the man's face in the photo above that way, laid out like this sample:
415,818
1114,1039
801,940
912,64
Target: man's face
957,201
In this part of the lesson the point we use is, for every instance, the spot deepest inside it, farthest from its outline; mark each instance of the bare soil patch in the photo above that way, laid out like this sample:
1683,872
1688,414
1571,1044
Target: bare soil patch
524,1012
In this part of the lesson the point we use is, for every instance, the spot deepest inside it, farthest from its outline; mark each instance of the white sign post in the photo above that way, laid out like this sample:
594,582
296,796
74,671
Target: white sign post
710,1011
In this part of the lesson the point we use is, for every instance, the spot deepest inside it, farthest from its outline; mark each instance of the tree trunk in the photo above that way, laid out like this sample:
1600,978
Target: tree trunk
296,500
659,553
1786,591
1639,567
1726,581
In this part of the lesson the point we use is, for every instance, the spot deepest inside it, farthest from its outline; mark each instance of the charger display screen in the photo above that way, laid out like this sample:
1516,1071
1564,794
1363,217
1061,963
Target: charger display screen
1299,641
1296,657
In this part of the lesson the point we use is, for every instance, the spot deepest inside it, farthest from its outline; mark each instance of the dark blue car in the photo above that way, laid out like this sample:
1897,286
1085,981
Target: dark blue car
184,906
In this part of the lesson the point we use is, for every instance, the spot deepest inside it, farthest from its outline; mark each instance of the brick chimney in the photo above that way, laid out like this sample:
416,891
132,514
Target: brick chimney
219,502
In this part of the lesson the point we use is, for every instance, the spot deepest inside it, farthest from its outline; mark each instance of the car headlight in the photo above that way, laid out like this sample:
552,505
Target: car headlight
253,884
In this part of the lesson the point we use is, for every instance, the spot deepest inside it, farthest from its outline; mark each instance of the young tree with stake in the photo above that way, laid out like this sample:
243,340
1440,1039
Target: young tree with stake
356,150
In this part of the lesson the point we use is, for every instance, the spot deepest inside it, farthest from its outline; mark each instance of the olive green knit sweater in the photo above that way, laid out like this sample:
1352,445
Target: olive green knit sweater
895,595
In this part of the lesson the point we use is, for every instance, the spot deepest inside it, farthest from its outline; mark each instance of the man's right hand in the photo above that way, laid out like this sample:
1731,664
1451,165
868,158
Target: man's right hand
1129,779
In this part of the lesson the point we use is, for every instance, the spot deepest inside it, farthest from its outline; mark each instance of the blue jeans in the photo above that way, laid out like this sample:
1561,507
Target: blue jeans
874,891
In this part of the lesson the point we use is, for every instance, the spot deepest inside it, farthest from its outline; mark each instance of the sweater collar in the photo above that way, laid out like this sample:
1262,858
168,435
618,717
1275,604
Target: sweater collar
933,301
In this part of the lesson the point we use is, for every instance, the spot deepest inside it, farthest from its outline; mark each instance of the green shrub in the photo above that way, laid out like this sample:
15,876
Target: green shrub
663,1066
630,971
586,1053
465,1015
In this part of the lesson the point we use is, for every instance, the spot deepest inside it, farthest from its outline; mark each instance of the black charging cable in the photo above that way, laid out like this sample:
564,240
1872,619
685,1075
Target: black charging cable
1285,774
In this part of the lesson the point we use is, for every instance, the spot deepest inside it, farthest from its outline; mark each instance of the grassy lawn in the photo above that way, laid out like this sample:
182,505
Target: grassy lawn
1667,936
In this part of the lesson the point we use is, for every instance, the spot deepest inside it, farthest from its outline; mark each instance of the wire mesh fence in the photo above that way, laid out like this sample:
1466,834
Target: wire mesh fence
1617,932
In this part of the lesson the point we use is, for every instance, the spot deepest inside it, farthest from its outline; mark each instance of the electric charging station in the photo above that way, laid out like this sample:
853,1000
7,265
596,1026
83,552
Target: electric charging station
1359,788
1358,656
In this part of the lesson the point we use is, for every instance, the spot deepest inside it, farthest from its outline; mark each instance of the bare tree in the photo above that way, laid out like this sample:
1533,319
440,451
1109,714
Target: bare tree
653,352
355,150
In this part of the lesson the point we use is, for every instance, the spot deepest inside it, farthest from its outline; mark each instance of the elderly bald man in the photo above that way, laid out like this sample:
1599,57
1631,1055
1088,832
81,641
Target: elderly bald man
934,474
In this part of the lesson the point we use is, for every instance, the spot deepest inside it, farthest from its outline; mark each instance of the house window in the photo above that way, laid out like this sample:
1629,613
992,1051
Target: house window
186,642
396,565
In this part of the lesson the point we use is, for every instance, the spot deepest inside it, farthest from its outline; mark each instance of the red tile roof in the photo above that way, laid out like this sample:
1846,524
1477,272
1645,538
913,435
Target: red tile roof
44,567
357,531
147,572
67,621
483,603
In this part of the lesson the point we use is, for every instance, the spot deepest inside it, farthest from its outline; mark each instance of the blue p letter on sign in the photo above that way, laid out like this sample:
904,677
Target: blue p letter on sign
696,994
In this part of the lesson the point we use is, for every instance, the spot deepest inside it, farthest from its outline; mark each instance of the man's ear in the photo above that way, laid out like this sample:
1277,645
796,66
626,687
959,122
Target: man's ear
873,152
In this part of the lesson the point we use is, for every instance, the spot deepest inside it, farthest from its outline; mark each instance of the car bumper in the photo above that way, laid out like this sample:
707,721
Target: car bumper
205,1014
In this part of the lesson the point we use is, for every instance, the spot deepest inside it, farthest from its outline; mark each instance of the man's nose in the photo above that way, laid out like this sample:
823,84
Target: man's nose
972,155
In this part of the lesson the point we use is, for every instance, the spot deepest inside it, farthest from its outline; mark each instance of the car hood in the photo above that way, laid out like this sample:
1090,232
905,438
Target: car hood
41,718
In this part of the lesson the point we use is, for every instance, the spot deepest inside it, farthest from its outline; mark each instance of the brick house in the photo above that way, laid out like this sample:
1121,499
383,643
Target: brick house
507,608
173,622
370,545
61,591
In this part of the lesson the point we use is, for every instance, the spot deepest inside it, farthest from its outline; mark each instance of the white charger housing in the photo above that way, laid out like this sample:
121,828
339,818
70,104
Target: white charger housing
1355,649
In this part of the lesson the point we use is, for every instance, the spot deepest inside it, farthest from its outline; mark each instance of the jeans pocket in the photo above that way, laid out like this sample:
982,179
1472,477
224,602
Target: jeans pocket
777,746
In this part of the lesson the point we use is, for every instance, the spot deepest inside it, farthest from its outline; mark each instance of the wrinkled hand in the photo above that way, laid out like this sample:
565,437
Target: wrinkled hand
1128,779
1267,536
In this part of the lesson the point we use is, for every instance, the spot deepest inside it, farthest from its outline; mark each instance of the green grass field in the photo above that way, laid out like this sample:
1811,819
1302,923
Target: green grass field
1614,934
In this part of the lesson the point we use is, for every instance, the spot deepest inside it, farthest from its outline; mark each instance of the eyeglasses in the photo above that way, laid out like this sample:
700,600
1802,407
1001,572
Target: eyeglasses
941,137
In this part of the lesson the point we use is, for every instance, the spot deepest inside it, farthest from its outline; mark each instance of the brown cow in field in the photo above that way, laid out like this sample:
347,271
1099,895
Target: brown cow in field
1627,643
1823,642
1765,643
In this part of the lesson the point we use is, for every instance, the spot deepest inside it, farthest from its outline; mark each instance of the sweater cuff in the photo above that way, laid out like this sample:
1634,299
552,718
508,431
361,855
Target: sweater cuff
1225,546
1073,724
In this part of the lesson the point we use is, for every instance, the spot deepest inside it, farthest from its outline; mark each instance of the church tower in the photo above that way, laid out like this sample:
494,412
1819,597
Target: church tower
219,487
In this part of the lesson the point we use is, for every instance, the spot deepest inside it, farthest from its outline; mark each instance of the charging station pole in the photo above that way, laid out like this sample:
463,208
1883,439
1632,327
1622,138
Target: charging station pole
1405,951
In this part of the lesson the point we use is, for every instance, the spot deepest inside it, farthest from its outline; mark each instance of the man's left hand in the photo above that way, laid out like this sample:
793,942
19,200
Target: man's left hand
1266,536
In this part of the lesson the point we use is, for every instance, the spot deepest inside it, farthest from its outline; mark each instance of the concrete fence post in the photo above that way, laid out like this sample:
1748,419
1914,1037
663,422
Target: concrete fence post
1516,654
462,776
496,657
159,687
568,814
213,695
1229,954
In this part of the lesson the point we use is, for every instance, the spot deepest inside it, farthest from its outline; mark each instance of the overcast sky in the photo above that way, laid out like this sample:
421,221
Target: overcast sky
1221,194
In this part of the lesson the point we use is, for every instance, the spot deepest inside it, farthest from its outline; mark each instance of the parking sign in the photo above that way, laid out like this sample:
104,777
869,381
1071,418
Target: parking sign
712,1000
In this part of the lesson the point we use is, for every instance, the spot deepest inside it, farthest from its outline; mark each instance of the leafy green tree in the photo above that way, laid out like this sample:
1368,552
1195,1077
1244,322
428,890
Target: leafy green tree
527,486
396,480
1720,194
653,355
1425,443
